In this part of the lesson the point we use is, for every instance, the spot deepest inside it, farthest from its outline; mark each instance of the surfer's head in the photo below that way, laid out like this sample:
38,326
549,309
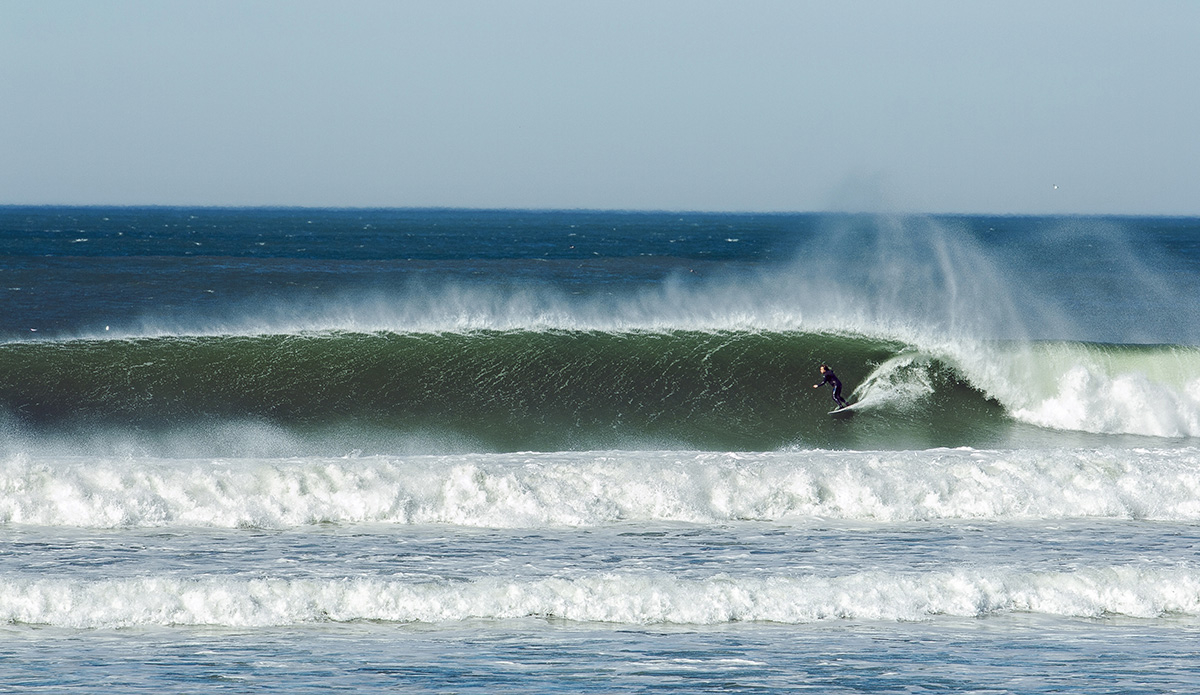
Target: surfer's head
824,368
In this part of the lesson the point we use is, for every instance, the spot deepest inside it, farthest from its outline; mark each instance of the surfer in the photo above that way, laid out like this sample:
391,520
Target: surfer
832,380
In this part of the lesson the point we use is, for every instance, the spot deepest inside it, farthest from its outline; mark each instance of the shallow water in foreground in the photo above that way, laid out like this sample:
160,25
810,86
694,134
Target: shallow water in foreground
1014,653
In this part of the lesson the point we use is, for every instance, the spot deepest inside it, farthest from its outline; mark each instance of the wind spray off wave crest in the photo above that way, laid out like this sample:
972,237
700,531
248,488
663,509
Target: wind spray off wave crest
901,277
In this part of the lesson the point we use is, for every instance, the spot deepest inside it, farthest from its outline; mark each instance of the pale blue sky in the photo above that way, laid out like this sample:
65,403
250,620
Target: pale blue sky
652,104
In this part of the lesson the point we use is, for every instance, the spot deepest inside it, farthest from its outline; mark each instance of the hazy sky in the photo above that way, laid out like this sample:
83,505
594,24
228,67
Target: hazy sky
674,104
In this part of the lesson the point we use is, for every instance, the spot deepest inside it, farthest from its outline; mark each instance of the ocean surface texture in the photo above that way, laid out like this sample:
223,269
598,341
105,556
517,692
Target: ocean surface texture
304,450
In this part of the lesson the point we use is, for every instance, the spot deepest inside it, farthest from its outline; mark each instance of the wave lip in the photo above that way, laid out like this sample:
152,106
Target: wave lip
584,489
637,598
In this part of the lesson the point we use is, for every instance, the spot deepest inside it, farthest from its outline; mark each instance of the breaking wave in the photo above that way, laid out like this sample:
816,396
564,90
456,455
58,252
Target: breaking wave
588,489
590,389
636,597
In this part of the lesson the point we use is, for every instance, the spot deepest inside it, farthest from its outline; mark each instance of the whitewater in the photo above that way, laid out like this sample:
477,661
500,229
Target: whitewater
414,450
594,489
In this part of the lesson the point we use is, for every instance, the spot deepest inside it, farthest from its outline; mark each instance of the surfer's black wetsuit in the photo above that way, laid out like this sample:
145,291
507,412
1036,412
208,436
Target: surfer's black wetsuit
832,380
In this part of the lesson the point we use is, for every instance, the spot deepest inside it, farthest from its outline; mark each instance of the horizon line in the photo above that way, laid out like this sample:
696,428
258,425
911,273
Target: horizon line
586,210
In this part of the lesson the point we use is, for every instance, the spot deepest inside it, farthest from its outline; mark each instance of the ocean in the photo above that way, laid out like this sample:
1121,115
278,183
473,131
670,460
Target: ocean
506,451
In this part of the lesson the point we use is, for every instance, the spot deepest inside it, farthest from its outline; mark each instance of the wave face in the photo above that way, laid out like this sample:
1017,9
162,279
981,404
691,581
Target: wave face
508,390
586,389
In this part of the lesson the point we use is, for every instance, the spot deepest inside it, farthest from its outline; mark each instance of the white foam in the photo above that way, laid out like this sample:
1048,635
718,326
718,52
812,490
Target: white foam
597,488
903,379
1139,390
1152,391
634,597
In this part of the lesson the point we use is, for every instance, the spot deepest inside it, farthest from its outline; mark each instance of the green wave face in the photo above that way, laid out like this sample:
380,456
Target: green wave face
505,390
563,389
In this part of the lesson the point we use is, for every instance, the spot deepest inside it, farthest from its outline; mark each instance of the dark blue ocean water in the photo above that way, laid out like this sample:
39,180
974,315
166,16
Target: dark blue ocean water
198,263
521,451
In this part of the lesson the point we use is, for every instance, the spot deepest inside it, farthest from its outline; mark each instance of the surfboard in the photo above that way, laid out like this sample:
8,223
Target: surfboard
847,411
